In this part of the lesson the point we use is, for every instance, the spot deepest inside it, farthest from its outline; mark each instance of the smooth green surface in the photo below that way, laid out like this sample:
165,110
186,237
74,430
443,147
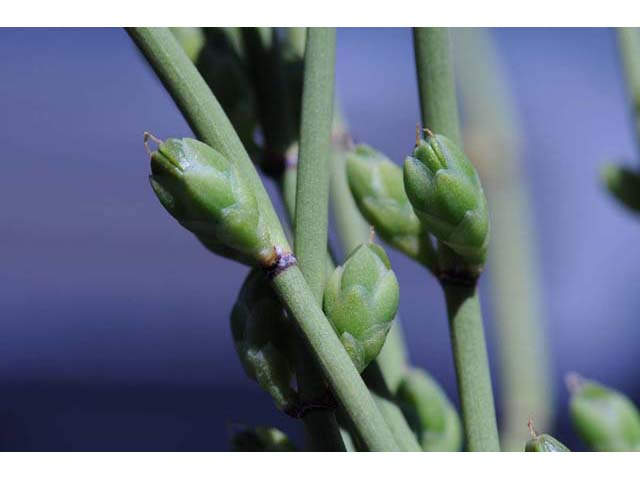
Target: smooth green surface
492,137
605,419
545,444
202,111
439,108
343,378
472,368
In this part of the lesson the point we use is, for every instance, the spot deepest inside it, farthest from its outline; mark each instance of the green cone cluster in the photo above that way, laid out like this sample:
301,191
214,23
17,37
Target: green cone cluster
217,53
361,300
446,194
378,189
430,413
207,194
261,439
624,184
262,339
606,420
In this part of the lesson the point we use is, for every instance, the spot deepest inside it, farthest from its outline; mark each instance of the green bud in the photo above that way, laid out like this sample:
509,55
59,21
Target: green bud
446,194
543,443
430,413
606,420
261,439
624,184
206,193
262,339
378,189
361,299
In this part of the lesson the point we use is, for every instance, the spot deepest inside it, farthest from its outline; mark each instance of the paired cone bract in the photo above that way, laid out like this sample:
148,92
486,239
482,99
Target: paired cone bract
377,187
262,339
360,300
207,194
445,192
429,412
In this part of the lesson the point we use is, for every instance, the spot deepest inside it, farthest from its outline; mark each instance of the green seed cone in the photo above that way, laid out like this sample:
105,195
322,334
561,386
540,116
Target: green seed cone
545,443
261,337
606,420
430,413
261,439
378,189
624,184
361,299
446,194
208,196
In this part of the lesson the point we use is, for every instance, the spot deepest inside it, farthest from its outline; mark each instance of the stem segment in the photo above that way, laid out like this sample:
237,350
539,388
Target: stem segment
312,208
493,138
629,47
440,114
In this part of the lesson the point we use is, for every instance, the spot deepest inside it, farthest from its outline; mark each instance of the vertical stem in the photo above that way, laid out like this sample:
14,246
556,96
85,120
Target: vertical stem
440,114
312,209
312,191
493,139
629,48
439,108
472,367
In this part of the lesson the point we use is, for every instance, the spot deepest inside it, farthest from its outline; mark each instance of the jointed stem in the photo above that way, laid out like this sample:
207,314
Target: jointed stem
440,115
210,124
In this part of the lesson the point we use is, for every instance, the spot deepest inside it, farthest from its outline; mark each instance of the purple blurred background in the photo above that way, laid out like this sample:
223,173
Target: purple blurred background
114,322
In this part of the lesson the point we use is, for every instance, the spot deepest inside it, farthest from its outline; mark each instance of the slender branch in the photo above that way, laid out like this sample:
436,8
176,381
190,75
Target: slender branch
439,108
492,136
312,206
440,114
312,191
210,124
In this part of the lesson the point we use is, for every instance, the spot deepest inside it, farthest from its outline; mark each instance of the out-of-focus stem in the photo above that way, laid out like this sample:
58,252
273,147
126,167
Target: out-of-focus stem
629,48
440,114
492,139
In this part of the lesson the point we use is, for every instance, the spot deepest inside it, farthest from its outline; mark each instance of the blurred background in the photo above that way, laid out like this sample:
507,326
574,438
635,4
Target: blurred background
114,328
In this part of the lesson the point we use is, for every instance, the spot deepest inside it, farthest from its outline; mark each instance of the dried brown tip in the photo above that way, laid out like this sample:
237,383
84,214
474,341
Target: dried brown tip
428,132
372,233
532,431
148,136
418,133
573,381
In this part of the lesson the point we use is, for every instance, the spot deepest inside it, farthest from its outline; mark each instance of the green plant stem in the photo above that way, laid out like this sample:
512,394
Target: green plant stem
440,114
210,124
312,208
629,48
334,361
438,104
493,139
472,368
